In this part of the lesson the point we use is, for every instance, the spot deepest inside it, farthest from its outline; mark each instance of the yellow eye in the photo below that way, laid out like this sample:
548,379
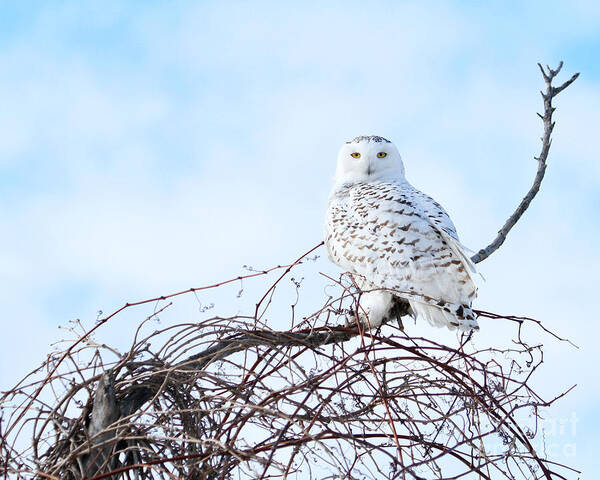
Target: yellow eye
355,155
381,155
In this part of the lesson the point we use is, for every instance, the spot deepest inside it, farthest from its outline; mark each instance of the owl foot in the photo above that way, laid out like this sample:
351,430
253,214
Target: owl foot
465,324
350,318
365,323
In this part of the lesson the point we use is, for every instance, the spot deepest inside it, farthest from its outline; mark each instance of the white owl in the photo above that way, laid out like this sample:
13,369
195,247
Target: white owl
395,240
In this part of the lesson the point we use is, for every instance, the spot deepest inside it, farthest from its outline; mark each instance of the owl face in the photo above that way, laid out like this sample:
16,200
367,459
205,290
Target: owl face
368,159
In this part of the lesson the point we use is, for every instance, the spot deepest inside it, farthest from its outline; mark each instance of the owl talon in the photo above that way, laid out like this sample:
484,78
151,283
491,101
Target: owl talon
350,318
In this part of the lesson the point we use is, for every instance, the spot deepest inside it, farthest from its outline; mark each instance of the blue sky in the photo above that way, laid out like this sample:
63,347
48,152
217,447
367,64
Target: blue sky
146,147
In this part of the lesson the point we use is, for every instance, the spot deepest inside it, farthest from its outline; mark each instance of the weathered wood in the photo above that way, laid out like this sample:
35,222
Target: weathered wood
105,412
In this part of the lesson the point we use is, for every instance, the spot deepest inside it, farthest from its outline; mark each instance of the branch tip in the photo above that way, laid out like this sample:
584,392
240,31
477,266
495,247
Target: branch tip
548,95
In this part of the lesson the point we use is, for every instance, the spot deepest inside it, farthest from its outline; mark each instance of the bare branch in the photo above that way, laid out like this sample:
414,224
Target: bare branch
257,402
550,93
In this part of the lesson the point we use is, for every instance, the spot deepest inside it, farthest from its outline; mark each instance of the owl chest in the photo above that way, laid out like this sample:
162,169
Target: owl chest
384,214
378,227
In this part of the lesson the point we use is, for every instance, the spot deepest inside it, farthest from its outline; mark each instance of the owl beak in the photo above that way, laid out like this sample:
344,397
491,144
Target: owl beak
369,169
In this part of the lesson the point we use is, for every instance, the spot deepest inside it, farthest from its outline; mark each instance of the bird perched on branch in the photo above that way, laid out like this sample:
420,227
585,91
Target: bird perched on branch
398,243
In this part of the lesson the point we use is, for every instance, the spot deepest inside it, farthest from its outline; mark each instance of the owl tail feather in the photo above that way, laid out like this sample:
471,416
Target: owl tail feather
463,319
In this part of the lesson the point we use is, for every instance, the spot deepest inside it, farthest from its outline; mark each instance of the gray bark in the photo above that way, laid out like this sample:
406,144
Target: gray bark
105,412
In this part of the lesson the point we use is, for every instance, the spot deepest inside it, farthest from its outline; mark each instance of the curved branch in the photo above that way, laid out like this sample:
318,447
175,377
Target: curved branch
311,338
550,93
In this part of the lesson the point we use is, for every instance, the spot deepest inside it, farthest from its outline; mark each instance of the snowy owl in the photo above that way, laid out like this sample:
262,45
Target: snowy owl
396,241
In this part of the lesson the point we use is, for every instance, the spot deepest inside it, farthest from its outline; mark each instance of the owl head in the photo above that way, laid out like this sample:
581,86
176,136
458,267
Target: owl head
368,159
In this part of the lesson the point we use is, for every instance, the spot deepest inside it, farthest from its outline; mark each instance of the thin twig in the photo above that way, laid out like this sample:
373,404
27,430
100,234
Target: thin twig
550,93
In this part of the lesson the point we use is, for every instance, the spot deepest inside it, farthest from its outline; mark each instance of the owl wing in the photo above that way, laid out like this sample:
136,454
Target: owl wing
440,220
